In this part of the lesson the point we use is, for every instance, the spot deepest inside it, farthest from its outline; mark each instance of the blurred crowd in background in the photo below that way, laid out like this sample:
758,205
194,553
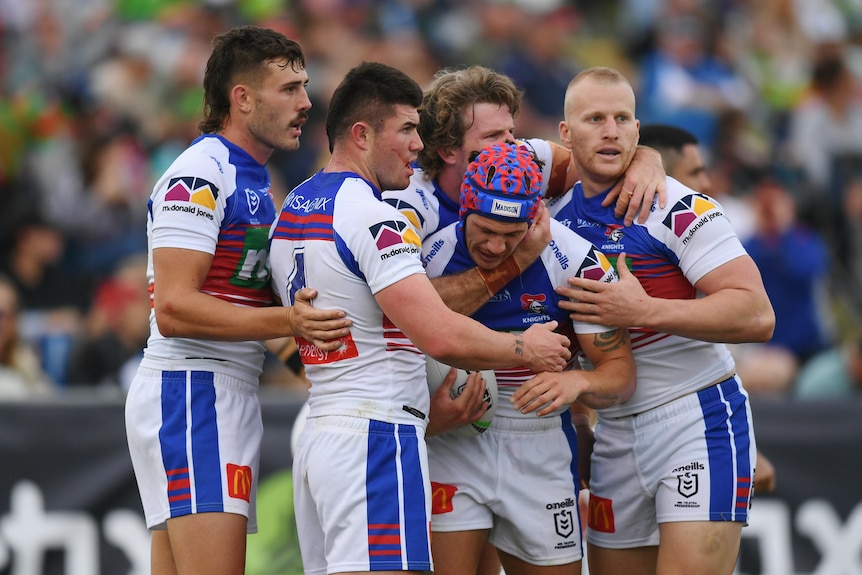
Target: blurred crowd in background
97,97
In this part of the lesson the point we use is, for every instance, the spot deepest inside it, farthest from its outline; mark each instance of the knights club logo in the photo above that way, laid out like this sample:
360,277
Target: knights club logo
614,233
688,484
534,303
687,212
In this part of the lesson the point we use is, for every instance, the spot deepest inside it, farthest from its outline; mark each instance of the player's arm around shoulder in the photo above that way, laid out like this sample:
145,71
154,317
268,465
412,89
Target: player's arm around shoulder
467,291
414,306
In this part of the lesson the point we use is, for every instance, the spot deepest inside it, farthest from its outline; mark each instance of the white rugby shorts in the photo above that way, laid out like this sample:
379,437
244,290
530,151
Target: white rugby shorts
519,479
361,496
691,459
194,439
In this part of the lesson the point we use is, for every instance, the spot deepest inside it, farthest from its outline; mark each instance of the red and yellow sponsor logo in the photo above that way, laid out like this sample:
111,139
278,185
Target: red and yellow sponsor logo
601,514
239,481
441,497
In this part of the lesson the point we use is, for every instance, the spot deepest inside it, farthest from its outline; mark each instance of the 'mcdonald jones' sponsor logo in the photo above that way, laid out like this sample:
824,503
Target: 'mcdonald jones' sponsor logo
391,233
690,214
239,481
408,211
199,194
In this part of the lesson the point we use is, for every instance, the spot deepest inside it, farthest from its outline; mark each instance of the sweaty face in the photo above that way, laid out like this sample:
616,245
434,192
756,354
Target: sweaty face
491,241
396,145
690,170
489,124
601,130
281,106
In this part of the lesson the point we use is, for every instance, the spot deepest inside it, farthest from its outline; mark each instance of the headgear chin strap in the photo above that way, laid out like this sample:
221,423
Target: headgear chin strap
503,182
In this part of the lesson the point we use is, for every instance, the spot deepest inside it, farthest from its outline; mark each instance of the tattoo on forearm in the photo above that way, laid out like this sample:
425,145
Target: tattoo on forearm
519,346
611,340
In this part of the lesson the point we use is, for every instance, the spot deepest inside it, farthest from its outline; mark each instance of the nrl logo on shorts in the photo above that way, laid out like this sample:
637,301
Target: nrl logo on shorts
687,484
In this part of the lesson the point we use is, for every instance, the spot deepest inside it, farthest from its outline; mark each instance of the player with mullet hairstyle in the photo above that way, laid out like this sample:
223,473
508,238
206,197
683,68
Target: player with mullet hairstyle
368,400
192,413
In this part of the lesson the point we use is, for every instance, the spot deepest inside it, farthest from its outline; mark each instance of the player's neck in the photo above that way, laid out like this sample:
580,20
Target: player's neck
340,162
449,182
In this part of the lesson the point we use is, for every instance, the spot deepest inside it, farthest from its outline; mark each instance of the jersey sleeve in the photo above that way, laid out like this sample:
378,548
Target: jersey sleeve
541,149
418,205
384,244
437,250
571,255
695,228
188,204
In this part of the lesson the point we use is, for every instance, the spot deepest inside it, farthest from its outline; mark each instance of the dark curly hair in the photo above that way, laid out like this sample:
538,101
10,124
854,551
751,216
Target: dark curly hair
241,55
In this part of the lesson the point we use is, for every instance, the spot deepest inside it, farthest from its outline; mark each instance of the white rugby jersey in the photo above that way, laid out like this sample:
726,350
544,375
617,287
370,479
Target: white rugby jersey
527,299
429,209
675,248
214,198
334,234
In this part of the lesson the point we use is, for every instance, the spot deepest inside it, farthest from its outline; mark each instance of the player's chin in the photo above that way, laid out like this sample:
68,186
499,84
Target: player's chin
289,143
396,183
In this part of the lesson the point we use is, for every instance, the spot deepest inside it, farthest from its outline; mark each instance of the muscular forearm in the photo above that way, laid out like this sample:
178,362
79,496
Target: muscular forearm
728,316
206,317
467,291
464,292
472,346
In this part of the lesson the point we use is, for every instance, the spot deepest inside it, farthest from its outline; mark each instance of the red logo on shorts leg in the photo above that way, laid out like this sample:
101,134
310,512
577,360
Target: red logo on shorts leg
239,481
441,497
601,516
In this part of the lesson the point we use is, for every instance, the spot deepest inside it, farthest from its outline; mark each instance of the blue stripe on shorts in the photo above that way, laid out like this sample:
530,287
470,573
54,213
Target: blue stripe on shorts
386,549
725,415
204,442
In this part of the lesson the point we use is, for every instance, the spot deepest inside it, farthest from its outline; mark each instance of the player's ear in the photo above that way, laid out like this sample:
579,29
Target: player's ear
447,155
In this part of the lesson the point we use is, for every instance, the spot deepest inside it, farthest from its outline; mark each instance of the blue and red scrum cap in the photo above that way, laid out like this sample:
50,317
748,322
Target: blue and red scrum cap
503,182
